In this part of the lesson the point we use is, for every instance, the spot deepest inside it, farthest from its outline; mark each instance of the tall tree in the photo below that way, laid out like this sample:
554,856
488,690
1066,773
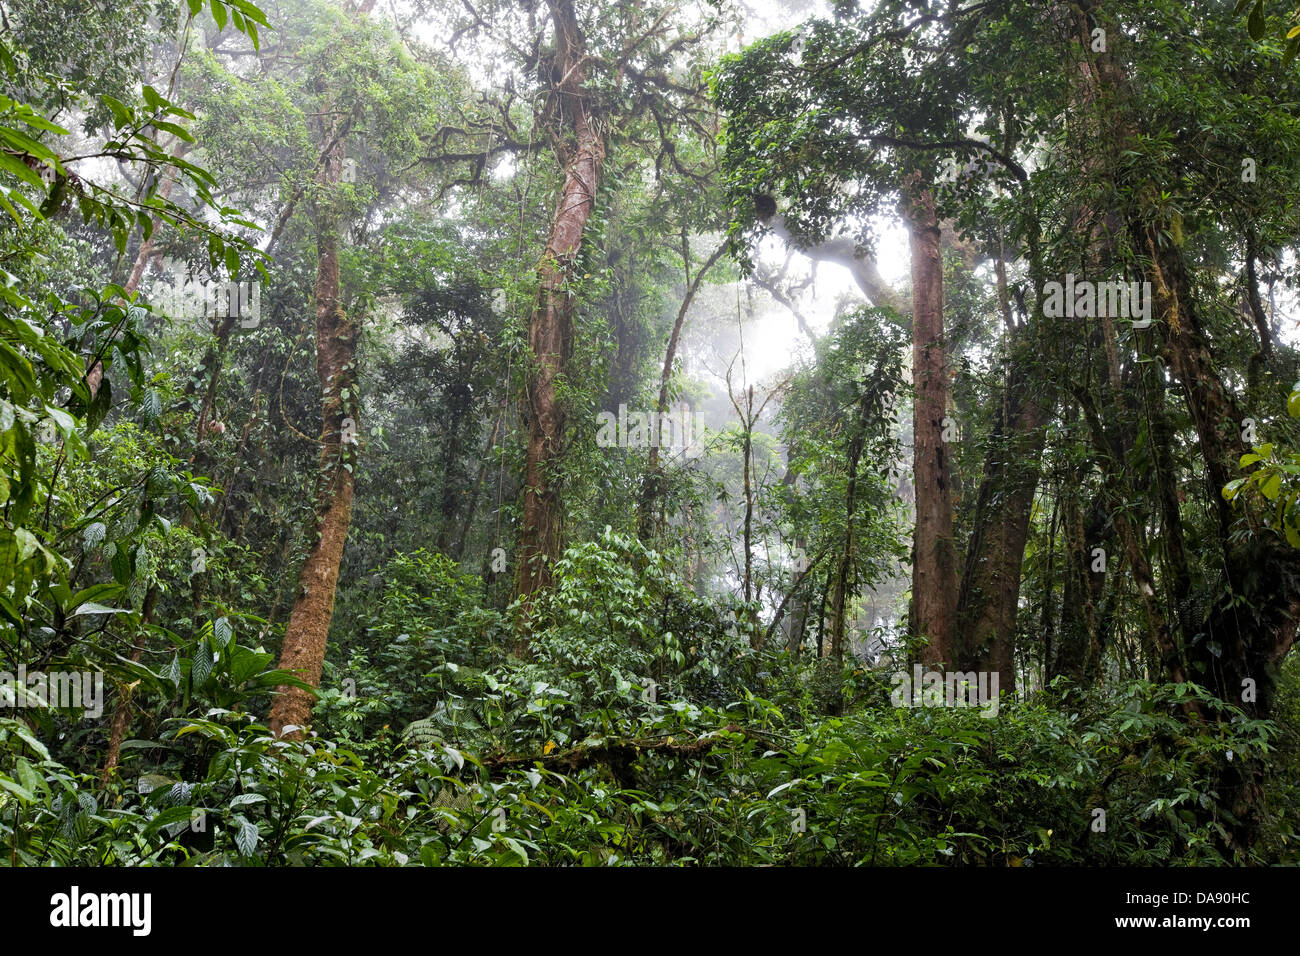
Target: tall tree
305,637
934,558
343,101
578,135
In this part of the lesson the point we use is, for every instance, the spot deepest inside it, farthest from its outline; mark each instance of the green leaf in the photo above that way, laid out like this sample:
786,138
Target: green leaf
22,794
1255,24
121,112
20,169
90,607
21,731
93,536
222,632
25,144
201,665
169,817
180,132
27,776
251,11
246,837
26,543
96,592
1269,489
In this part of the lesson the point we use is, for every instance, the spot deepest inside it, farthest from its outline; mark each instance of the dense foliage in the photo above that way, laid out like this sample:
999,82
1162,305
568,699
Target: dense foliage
309,315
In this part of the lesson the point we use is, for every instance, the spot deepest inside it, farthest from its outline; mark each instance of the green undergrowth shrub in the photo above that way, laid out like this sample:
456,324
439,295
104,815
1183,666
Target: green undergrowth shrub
641,728
675,784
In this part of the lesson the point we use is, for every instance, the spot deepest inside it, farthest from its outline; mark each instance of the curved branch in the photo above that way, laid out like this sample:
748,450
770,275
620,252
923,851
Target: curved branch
842,252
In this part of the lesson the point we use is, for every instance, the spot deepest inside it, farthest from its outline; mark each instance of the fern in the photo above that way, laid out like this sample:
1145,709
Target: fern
423,734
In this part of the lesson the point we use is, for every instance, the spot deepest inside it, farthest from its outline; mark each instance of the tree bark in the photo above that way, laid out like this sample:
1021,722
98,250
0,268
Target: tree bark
1077,653
990,587
1250,626
841,252
550,329
471,507
845,571
122,712
934,563
307,632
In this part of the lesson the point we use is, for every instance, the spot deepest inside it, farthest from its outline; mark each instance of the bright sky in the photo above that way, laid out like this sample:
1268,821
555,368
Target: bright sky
773,338
776,335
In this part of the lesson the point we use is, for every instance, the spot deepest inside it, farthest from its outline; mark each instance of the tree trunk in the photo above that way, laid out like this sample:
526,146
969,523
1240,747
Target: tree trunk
460,420
1077,654
471,507
934,564
336,338
122,712
1251,624
798,601
839,604
95,373
748,450
550,329
653,487
990,587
